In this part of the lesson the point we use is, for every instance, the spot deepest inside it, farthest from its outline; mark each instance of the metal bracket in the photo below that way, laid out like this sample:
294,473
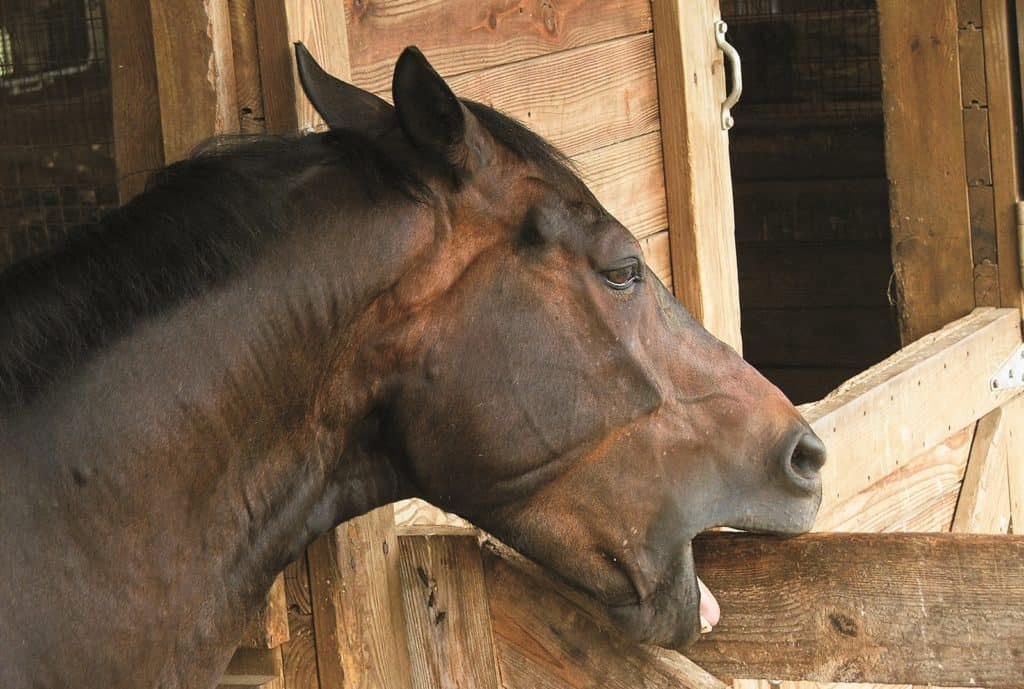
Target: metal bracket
1010,374
733,58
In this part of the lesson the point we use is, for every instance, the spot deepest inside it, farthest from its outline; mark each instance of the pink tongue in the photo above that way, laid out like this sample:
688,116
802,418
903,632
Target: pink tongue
709,609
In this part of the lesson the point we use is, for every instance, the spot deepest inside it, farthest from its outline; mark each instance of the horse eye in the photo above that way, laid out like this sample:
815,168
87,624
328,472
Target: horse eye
623,276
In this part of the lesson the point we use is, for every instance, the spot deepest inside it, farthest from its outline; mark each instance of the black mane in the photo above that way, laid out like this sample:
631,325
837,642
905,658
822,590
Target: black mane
199,223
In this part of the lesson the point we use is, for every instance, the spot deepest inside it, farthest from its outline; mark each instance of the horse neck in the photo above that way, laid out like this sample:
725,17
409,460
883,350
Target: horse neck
198,455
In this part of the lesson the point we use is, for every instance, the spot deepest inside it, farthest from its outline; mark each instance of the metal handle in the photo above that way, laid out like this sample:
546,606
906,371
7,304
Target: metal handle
733,58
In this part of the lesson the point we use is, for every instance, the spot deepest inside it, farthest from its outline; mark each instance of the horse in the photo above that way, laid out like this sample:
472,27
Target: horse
283,333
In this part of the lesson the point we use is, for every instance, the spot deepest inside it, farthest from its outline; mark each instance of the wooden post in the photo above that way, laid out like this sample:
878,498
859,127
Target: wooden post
1014,419
698,178
984,504
925,161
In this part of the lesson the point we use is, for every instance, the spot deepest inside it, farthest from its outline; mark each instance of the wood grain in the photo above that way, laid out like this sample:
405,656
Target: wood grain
1014,414
920,495
977,155
138,139
912,387
658,256
972,68
245,54
358,614
449,626
195,73
269,628
628,178
984,502
945,609
547,636
691,88
580,99
252,667
460,36
924,134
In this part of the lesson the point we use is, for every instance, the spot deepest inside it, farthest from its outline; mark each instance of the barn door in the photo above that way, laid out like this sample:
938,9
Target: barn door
698,181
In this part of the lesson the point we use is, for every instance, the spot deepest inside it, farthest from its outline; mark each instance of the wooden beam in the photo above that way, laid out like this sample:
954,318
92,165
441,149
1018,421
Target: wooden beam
691,88
449,626
924,148
195,73
942,609
358,614
927,390
984,504
245,55
1013,413
320,24
548,635
138,141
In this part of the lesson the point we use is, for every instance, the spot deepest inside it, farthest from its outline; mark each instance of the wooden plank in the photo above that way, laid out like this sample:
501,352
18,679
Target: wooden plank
279,24
269,628
913,387
972,68
691,88
1000,66
920,495
252,667
548,636
449,627
629,180
968,13
945,609
977,155
138,140
358,615
462,36
984,504
924,134
245,54
298,654
580,99
814,274
1013,412
983,226
195,73
658,257
851,337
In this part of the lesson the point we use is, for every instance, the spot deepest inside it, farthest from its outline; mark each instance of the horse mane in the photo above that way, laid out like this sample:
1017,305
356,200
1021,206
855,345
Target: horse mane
199,223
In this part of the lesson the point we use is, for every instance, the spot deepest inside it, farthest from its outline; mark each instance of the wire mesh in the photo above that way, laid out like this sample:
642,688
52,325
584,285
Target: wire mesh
56,129
807,58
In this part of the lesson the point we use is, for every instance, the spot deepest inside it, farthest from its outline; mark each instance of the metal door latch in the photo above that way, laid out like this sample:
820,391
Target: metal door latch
733,58
1010,374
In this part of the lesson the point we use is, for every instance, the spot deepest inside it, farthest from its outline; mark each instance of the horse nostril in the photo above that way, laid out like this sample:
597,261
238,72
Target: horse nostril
808,456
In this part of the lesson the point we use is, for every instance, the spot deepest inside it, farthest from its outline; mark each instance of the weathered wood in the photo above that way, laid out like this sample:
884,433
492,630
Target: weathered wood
972,68
580,99
920,495
977,155
983,226
1013,413
195,73
913,388
629,180
279,24
462,36
924,134
269,628
1000,67
138,141
691,88
547,636
984,504
449,626
968,13
252,667
658,256
358,614
245,53
945,609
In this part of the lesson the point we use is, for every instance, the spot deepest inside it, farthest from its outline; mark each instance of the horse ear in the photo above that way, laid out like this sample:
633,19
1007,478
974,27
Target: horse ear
430,114
342,105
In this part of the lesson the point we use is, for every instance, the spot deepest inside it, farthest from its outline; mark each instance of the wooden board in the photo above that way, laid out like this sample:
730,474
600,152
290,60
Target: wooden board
138,141
658,257
358,614
245,53
984,503
924,135
448,621
580,99
925,393
252,667
460,36
628,179
944,609
1014,413
547,636
691,88
972,68
195,73
920,495
299,653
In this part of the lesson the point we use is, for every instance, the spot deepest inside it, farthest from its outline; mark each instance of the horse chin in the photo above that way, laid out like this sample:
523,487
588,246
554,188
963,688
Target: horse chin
670,617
